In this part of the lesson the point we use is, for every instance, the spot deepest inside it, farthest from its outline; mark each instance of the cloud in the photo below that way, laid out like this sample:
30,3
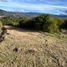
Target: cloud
3,0
51,2
22,5
64,11
33,6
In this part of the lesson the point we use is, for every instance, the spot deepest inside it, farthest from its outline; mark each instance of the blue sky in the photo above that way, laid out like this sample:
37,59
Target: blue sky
42,6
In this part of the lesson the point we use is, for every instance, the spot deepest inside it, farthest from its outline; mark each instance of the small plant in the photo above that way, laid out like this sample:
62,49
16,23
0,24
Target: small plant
15,49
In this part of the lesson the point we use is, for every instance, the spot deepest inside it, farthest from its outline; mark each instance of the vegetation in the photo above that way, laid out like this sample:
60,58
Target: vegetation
3,31
10,20
64,25
46,23
33,49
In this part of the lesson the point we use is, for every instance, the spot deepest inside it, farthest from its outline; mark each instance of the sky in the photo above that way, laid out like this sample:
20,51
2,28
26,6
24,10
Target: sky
41,6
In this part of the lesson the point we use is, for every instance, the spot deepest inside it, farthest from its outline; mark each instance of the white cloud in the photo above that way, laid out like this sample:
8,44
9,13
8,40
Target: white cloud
3,0
33,7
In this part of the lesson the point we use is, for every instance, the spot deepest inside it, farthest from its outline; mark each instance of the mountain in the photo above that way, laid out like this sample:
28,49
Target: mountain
20,14
3,13
61,16
27,14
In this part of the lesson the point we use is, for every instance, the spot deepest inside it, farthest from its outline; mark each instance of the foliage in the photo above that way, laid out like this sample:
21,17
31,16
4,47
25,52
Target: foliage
23,22
10,20
45,22
64,24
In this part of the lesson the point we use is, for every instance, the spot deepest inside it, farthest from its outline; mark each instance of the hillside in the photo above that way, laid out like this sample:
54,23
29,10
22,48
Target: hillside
27,14
20,14
25,48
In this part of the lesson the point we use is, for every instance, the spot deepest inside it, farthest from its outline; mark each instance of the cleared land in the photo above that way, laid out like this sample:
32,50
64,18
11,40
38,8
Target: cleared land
24,48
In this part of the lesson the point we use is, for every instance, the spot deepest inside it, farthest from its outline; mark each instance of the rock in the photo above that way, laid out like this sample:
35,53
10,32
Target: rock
64,31
61,62
3,31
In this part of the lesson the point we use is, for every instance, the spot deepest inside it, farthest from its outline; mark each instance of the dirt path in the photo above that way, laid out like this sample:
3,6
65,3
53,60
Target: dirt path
20,32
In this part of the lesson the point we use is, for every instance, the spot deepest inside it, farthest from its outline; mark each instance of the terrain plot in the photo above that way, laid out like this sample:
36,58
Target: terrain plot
24,48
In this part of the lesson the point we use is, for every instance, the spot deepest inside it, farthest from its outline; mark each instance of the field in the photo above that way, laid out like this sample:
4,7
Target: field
25,48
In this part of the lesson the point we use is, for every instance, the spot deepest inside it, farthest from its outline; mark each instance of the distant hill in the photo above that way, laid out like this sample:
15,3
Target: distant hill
3,13
20,14
60,16
27,14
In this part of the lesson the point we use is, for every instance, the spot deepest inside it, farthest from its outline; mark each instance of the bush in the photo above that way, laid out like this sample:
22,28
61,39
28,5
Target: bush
10,21
24,22
51,25
46,23
64,24
38,22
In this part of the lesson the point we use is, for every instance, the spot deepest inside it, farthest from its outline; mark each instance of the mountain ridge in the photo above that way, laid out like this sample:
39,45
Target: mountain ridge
28,14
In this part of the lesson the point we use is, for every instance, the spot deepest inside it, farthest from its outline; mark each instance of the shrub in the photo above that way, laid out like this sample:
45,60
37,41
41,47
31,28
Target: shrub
52,25
10,21
25,23
38,22
64,24
46,23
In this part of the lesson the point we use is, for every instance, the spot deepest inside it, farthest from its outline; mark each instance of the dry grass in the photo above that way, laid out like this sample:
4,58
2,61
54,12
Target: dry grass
22,48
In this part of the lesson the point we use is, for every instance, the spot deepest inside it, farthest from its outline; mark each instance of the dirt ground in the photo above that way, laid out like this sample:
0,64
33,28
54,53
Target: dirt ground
25,48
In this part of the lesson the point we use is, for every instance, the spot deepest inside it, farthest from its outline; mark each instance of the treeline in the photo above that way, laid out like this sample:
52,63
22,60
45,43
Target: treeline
46,23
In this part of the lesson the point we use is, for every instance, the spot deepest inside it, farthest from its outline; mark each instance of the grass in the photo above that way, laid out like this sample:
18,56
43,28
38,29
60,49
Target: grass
22,48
